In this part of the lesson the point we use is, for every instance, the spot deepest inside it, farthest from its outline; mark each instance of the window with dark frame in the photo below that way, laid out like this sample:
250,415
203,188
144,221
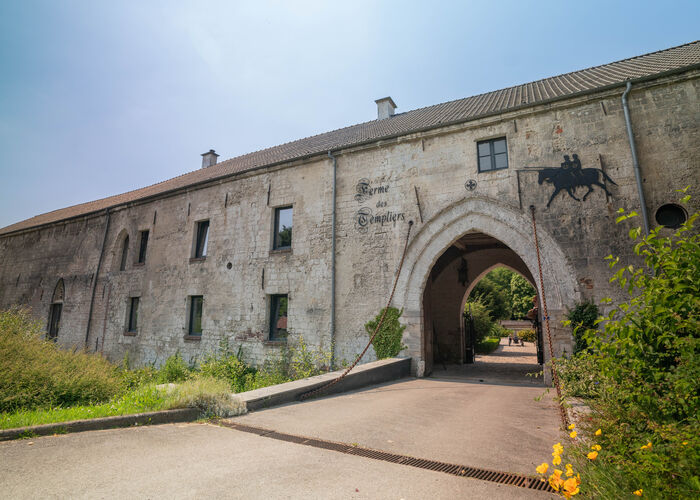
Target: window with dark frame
195,321
54,321
278,317
283,228
125,253
493,154
202,239
133,315
143,244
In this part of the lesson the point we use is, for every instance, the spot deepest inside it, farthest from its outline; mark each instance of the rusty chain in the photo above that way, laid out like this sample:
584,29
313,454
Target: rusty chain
330,384
555,375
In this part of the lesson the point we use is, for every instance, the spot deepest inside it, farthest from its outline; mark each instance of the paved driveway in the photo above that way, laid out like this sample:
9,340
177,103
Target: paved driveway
458,419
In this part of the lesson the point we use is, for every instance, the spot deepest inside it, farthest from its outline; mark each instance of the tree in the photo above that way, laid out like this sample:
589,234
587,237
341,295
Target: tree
521,293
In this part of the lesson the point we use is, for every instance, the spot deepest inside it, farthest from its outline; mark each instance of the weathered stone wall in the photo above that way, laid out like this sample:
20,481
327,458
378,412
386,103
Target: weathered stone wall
575,236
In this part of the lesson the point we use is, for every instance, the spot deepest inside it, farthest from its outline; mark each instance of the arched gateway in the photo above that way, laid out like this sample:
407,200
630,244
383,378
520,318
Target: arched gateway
486,220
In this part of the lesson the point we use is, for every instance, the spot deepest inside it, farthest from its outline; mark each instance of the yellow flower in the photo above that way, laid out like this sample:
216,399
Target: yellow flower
558,448
571,426
569,470
684,443
556,460
570,487
593,455
638,492
598,432
555,480
647,446
542,468
573,434
596,447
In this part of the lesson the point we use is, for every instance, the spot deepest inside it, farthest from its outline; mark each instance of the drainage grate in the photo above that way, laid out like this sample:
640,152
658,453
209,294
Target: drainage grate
421,463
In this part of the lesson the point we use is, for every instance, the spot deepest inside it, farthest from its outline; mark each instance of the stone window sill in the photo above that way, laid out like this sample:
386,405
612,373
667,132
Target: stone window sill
275,342
195,338
198,259
130,334
281,250
139,264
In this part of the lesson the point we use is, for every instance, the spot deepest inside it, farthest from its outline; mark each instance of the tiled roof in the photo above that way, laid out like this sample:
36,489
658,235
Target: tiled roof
461,110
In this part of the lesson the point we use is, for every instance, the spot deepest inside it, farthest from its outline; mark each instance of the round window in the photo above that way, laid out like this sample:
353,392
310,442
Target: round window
671,215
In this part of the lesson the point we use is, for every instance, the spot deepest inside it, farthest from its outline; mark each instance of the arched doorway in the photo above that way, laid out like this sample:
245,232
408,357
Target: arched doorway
488,232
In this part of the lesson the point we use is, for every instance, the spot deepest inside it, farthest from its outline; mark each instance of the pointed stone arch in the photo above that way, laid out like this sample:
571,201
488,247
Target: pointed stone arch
119,255
509,225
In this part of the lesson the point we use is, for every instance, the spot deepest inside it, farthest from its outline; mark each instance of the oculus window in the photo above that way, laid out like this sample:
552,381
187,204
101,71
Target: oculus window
493,154
201,239
283,228
194,327
143,244
671,215
278,317
133,315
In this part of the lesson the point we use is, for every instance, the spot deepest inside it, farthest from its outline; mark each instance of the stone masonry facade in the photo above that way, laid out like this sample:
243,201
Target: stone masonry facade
422,176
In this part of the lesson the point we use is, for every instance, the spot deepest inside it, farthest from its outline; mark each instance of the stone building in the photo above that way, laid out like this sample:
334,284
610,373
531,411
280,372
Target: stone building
305,239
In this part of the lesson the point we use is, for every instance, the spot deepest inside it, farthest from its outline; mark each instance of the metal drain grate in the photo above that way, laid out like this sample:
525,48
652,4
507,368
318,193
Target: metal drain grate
421,463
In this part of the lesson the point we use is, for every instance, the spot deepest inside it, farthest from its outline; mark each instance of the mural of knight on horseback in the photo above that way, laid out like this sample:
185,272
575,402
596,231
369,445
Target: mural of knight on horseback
570,176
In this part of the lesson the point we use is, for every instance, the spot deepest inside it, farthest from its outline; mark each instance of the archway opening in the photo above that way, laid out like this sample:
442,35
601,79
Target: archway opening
465,279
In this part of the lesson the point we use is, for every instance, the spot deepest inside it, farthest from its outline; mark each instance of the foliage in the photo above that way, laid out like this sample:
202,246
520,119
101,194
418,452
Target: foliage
646,369
483,323
210,395
528,335
35,373
174,370
493,297
228,366
498,330
488,345
387,343
582,318
521,293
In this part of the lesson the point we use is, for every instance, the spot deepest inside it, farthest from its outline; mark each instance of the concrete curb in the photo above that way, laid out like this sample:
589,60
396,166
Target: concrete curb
95,424
372,373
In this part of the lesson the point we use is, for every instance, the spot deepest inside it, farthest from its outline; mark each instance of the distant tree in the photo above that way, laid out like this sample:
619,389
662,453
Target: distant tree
493,297
521,293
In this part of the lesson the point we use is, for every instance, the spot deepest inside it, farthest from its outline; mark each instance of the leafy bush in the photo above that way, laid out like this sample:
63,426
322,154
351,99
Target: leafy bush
582,318
227,365
528,335
35,373
173,370
521,293
212,396
488,345
483,323
387,342
645,388
498,330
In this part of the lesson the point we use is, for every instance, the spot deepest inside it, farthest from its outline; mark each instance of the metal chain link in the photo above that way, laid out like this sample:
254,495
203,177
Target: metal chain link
330,384
555,375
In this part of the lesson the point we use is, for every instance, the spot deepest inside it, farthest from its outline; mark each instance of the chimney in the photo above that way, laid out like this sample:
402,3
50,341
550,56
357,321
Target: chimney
209,158
385,107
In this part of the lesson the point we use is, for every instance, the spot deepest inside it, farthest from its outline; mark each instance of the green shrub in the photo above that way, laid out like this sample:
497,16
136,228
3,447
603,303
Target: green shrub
643,371
387,342
35,373
212,396
488,345
483,323
497,330
173,370
582,317
528,335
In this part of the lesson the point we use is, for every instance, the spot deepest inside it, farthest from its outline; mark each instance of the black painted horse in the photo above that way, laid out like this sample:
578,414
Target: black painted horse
570,179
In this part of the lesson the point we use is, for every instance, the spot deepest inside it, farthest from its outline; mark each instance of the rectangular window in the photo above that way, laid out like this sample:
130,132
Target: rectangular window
195,320
283,228
201,239
142,247
493,154
133,315
278,317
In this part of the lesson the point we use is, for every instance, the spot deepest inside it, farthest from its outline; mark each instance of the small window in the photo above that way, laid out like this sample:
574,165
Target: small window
125,253
142,247
195,320
671,215
133,315
278,317
54,320
201,239
283,228
493,154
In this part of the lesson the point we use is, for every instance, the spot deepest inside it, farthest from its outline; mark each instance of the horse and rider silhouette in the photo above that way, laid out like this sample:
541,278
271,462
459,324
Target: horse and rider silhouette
570,176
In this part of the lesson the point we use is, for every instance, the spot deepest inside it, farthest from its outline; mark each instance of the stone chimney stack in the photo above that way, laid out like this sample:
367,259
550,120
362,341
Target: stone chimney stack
385,107
209,158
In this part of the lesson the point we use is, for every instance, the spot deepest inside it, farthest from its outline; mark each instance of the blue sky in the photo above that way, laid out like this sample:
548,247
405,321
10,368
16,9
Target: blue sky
98,97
